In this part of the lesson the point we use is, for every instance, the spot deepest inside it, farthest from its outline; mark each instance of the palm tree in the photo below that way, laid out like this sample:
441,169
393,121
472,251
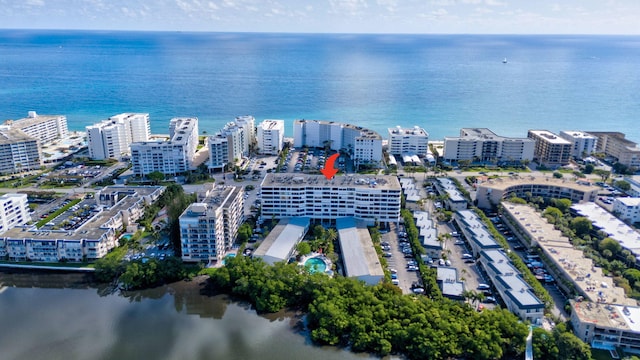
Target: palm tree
467,295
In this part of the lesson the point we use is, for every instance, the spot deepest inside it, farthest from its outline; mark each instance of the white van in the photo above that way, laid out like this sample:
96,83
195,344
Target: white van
395,282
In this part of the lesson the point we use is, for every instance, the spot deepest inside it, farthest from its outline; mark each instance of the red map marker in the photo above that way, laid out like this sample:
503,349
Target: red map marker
328,170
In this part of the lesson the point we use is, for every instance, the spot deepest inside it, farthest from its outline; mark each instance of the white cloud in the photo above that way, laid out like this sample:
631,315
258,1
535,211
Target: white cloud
495,3
35,2
443,2
350,7
389,5
440,12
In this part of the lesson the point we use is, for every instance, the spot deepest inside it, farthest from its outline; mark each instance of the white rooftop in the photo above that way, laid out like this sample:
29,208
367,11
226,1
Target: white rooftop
427,229
358,254
617,229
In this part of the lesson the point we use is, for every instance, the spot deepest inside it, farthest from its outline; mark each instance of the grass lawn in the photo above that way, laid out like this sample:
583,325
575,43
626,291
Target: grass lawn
598,354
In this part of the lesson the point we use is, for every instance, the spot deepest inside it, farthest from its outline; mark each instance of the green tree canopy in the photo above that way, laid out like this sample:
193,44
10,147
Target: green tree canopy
581,225
303,248
562,204
622,185
553,212
155,176
611,245
588,169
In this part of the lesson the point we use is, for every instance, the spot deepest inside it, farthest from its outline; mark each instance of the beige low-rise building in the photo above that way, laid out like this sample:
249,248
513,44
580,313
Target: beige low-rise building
492,192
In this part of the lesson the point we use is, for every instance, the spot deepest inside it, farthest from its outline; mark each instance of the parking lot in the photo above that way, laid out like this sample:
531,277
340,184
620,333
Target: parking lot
398,262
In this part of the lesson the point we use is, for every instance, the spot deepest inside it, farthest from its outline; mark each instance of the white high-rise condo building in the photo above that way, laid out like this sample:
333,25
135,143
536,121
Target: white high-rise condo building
209,227
372,199
363,145
248,125
270,137
219,150
171,157
18,151
45,128
14,211
584,144
412,141
550,149
112,138
483,145
232,142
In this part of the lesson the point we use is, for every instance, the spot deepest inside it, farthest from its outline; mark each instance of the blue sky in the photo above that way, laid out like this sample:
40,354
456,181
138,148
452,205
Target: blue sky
342,16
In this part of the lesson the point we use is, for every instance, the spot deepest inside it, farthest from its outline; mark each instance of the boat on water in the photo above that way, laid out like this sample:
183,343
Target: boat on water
504,61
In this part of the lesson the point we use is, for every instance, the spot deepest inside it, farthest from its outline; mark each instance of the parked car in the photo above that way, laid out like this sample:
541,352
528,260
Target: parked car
387,254
484,287
490,299
467,256
395,282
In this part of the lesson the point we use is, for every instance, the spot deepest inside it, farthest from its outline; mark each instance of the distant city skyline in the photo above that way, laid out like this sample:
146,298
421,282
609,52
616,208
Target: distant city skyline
329,16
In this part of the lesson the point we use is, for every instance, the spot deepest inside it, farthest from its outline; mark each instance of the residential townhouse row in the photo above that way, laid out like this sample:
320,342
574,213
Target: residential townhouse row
113,209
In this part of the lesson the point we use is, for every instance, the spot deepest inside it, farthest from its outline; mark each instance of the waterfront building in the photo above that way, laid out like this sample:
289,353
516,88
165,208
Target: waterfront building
14,211
112,138
428,234
454,200
369,198
280,244
220,150
18,151
550,149
45,128
171,157
627,209
70,237
614,145
248,125
359,256
413,141
270,137
583,143
483,145
363,145
490,193
209,227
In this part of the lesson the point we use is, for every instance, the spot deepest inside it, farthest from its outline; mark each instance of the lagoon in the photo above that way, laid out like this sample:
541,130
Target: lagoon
64,316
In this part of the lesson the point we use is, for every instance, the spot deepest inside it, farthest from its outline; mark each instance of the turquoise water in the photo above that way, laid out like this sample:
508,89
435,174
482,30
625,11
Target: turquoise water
315,264
126,236
440,82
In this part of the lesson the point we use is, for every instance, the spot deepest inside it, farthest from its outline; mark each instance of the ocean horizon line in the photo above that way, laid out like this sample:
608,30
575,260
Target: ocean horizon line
435,34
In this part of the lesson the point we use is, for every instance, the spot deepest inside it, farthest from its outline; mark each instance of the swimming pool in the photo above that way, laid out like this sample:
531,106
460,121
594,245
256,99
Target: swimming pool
229,256
315,264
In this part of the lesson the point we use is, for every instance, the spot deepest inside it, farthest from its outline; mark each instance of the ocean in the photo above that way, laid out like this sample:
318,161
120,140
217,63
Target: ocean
439,82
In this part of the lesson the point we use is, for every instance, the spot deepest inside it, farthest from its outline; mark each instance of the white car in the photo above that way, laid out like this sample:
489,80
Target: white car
393,271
